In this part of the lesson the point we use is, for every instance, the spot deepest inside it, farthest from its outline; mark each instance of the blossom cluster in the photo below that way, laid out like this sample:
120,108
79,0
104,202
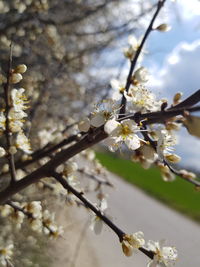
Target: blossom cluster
163,256
15,115
38,219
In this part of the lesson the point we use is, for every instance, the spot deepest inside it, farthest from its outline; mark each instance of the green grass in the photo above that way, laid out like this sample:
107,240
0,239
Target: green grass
178,194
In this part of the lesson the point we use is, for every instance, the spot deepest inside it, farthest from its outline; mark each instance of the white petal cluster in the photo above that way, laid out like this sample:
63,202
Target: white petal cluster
165,143
122,132
97,224
146,155
34,208
141,75
50,228
141,99
163,256
118,89
134,43
103,112
23,143
6,254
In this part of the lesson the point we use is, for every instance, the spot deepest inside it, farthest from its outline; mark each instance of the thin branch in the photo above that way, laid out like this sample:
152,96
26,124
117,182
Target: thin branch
98,212
29,215
8,133
94,178
137,54
41,153
180,175
80,196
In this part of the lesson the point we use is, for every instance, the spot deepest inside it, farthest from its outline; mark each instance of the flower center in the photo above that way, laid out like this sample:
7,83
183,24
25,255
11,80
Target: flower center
125,130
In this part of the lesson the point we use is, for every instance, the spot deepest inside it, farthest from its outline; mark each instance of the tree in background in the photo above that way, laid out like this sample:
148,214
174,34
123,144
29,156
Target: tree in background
47,130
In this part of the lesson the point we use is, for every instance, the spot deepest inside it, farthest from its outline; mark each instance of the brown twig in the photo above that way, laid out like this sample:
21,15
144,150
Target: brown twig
95,178
97,211
180,175
137,54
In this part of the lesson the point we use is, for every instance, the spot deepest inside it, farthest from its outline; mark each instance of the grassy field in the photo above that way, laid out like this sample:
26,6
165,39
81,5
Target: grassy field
179,194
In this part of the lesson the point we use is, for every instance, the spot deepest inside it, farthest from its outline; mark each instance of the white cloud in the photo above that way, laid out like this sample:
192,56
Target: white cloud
188,8
180,72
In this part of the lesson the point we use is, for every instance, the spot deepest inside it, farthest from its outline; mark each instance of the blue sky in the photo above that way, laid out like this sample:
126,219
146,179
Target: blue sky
174,63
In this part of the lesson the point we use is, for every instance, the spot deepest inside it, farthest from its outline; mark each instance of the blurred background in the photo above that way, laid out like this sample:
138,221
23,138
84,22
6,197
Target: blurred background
72,49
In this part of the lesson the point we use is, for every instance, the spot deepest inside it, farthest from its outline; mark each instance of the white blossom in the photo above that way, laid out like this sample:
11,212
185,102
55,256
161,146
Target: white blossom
123,132
23,143
34,208
19,99
163,256
97,223
118,89
6,210
141,75
165,144
130,51
141,99
5,254
70,168
103,112
2,120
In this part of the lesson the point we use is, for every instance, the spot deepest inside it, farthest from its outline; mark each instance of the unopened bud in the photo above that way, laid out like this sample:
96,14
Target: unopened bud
163,28
12,150
20,68
84,125
177,98
187,175
127,248
173,158
5,168
70,168
16,78
2,152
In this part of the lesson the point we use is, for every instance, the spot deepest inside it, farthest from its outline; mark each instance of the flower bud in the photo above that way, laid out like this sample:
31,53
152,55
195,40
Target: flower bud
127,248
2,152
163,28
70,168
173,158
5,168
177,98
187,175
12,150
84,125
20,68
16,78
